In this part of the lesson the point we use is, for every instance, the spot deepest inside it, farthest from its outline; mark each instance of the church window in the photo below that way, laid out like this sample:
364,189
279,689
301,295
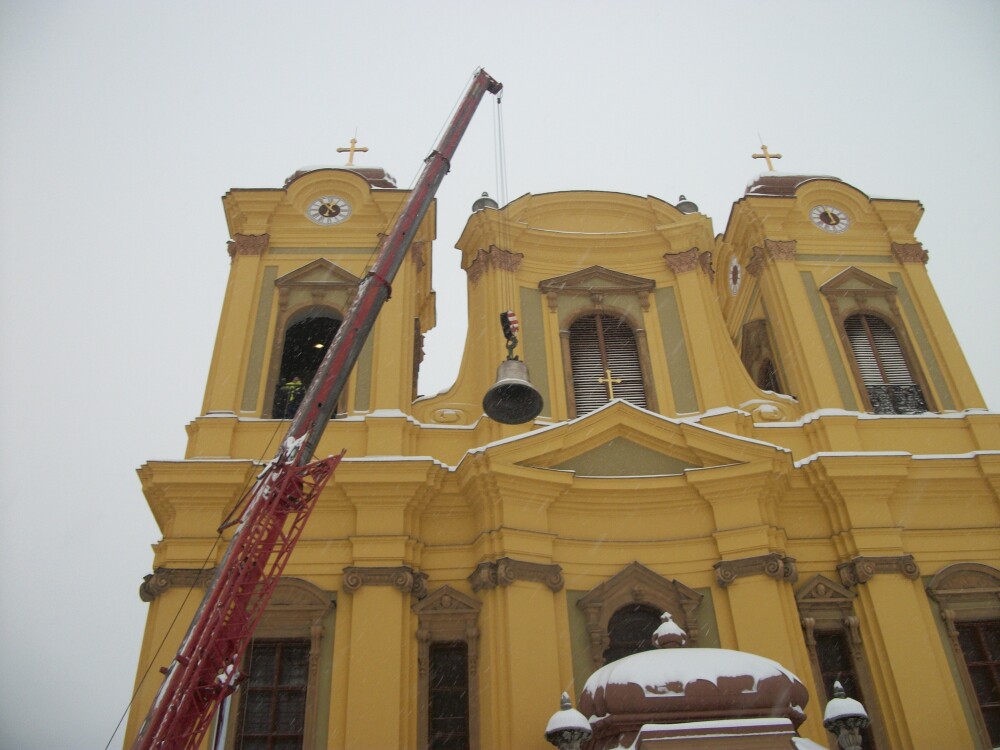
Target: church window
272,711
980,644
756,355
630,631
605,361
833,652
448,696
305,344
882,365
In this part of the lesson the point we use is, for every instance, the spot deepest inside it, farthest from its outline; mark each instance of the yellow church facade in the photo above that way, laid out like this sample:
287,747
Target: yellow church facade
771,433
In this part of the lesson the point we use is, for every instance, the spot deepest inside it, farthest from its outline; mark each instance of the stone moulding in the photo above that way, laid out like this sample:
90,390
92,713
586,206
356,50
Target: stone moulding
248,244
162,579
401,577
863,569
909,253
683,262
773,250
495,257
506,570
774,565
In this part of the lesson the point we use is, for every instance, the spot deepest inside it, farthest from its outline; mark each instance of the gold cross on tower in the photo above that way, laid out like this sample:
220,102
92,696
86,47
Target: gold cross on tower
767,157
611,383
350,151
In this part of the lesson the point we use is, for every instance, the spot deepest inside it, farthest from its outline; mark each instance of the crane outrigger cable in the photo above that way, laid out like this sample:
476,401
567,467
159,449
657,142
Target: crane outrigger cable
207,667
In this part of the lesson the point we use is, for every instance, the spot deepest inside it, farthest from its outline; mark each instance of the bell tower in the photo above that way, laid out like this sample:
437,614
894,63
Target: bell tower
297,255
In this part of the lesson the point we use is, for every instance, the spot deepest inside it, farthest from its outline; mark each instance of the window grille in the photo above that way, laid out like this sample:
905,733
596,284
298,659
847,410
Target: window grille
630,631
884,373
272,711
980,643
448,696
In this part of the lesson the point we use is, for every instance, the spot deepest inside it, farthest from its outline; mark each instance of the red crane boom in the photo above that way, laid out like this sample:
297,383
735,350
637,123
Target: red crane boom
207,666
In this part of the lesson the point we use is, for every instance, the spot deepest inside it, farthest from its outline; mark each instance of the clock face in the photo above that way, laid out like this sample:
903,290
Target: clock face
830,219
329,209
735,276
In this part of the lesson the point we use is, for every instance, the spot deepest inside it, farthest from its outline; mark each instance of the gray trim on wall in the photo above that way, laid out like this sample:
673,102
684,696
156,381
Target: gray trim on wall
829,337
258,342
920,336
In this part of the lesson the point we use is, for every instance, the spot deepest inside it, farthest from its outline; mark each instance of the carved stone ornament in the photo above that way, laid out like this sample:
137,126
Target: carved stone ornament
705,261
401,577
162,579
780,249
503,572
495,257
417,253
682,262
863,569
756,265
909,253
820,593
774,565
248,244
596,283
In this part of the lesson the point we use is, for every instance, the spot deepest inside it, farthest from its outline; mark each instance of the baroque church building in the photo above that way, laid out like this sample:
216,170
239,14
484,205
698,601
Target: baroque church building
771,434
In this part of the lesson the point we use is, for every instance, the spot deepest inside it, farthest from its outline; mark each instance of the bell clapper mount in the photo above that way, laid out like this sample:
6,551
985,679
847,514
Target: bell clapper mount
511,327
512,399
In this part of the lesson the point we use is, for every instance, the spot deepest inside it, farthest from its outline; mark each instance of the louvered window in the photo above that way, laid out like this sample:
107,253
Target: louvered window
884,372
605,361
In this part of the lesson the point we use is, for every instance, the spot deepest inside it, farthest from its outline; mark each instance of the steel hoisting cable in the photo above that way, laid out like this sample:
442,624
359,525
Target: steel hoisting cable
184,601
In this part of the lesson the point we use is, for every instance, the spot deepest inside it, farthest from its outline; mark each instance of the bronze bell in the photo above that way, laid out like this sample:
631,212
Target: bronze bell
512,399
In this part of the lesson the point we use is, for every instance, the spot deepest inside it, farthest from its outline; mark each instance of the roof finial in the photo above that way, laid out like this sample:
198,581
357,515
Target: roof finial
767,157
350,151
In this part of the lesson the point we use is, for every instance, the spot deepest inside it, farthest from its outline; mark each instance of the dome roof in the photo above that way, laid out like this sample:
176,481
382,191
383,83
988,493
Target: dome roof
376,176
781,184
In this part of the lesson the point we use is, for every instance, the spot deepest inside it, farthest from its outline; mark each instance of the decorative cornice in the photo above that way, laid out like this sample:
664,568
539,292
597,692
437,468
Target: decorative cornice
780,249
503,572
417,253
682,262
909,253
774,565
248,244
863,569
705,261
756,265
495,257
162,579
401,577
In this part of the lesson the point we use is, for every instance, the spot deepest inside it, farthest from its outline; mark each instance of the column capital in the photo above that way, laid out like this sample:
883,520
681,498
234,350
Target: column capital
401,577
774,565
162,579
863,569
506,570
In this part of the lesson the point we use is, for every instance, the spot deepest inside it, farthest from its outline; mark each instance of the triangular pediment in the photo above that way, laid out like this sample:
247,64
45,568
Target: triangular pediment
596,278
447,601
853,281
590,446
622,457
320,272
820,592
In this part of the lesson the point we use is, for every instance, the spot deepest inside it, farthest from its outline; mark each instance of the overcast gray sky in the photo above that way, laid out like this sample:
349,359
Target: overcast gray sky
122,124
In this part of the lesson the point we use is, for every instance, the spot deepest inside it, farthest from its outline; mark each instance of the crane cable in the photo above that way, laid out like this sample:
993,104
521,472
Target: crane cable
204,566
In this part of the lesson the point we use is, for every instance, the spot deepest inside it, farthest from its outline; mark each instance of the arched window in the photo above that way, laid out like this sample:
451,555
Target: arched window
630,631
305,344
605,362
882,365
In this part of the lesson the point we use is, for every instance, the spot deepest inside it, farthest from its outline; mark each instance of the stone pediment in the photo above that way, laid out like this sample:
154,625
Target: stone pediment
621,439
319,273
820,592
597,279
854,281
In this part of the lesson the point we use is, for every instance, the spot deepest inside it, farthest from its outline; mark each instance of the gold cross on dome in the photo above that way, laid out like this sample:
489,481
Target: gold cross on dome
767,157
611,383
350,151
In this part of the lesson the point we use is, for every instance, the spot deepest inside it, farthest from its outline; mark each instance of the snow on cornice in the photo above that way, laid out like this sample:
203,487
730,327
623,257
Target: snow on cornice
894,454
